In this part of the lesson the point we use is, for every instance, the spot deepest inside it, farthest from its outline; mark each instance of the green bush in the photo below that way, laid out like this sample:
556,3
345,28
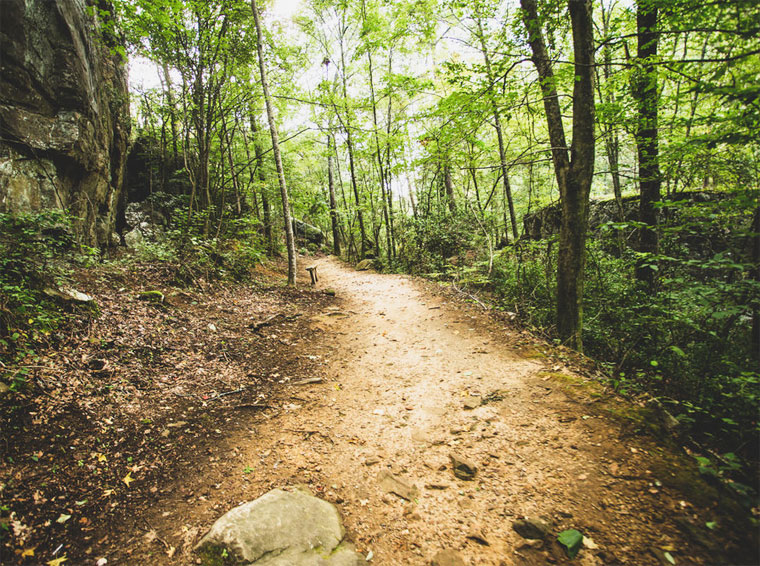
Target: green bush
37,251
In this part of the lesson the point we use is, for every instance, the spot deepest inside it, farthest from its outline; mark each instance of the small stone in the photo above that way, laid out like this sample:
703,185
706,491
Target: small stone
447,558
463,468
391,484
371,461
476,534
472,402
531,528
329,292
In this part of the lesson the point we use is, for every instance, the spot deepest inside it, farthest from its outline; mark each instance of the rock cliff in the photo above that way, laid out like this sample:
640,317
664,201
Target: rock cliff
64,113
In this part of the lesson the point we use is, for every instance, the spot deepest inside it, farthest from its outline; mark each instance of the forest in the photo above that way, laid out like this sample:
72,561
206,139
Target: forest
432,138
587,171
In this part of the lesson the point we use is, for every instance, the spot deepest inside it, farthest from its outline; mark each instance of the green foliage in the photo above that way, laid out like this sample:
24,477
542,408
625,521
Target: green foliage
37,251
690,341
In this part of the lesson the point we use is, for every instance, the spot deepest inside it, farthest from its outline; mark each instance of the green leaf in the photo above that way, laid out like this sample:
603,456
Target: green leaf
712,525
669,557
571,540
678,351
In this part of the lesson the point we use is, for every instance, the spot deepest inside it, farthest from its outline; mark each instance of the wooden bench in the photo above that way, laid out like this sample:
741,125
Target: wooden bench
313,274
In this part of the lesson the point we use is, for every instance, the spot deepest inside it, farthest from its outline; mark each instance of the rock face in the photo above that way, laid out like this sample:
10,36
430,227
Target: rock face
280,528
64,113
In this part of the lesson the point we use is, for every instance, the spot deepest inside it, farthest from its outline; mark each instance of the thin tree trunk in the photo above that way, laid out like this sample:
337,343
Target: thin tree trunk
499,134
333,204
448,185
289,237
573,170
755,347
350,147
172,109
647,141
233,175
378,154
265,206
251,174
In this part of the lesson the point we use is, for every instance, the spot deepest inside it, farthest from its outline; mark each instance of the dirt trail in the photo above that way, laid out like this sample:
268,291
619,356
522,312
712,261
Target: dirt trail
405,370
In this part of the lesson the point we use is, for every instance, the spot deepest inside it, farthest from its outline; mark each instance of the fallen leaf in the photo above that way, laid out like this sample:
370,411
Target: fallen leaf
28,552
57,561
63,518
128,479
589,543
107,492
571,540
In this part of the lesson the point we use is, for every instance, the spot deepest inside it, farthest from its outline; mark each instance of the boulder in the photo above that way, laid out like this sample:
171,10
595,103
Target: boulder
133,238
364,265
308,233
280,528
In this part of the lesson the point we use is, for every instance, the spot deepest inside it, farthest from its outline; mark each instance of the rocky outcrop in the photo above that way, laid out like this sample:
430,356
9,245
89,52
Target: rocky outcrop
64,113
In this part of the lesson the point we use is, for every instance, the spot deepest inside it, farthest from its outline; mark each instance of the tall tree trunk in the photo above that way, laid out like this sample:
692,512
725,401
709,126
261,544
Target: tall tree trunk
646,138
350,146
227,138
448,185
251,170
379,156
289,236
574,171
499,133
265,206
756,275
172,109
611,137
333,204
388,189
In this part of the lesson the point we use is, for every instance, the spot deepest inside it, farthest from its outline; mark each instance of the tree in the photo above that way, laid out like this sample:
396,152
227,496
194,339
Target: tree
574,169
289,236
497,124
647,143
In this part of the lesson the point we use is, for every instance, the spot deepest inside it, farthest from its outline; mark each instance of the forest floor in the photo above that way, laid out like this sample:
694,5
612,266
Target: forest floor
169,414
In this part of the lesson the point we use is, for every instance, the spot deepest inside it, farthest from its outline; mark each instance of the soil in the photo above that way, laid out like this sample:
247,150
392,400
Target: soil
361,398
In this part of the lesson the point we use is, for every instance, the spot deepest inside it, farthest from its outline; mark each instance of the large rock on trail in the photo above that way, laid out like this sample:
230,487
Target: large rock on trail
280,528
64,112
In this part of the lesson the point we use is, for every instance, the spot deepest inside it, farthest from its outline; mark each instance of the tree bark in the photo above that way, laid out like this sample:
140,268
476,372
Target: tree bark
755,347
350,147
265,206
574,170
647,141
289,237
333,204
448,185
381,168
